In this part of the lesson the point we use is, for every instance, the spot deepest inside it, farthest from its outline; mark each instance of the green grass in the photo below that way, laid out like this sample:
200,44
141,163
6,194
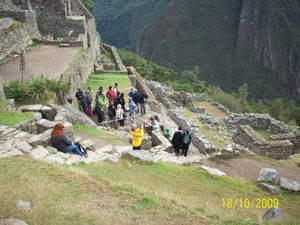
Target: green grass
106,80
207,132
103,134
128,193
264,133
210,109
12,118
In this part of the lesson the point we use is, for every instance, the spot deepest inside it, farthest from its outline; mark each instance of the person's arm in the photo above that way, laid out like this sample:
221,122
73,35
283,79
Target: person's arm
66,140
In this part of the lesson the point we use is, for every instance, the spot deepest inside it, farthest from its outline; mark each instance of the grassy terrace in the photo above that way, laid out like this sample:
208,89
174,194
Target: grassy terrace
128,193
106,80
210,109
207,132
264,133
12,118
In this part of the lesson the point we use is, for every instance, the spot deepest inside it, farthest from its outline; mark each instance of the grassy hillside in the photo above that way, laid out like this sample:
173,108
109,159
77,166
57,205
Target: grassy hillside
128,193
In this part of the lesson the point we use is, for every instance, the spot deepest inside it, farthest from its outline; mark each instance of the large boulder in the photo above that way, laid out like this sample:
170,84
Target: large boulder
268,187
23,146
74,116
273,214
213,171
46,111
267,175
289,185
139,154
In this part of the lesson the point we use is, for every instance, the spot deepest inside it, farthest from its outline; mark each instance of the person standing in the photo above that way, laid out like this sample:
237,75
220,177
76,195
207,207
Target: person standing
79,96
167,133
111,111
187,138
136,101
98,94
131,93
62,143
177,141
110,95
154,124
89,100
120,115
116,90
121,101
100,106
131,110
142,102
136,136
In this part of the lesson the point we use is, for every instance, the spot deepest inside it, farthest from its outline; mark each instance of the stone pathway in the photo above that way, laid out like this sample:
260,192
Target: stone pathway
51,61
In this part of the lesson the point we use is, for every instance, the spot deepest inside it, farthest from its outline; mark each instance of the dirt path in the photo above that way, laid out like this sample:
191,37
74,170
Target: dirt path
51,61
248,168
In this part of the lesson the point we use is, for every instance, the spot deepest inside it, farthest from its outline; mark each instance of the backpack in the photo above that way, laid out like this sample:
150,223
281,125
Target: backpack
186,138
81,148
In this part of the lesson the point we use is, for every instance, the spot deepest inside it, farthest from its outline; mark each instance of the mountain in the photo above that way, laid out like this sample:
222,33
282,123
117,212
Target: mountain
231,41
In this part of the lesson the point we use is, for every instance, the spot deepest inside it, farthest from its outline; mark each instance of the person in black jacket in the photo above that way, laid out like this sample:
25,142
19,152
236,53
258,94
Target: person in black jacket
79,96
186,139
177,141
111,111
142,101
62,143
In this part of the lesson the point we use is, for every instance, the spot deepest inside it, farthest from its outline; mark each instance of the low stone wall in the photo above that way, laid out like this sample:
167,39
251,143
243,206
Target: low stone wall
202,144
141,86
256,120
117,60
248,137
293,138
29,126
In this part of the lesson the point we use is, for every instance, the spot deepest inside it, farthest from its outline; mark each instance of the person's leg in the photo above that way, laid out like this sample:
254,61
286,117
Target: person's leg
186,150
74,148
137,148
176,149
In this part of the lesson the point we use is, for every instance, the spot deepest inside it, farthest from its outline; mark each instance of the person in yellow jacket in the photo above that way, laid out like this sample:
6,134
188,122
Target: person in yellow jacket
136,136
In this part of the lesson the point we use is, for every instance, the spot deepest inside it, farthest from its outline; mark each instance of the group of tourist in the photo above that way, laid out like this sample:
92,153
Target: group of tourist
116,110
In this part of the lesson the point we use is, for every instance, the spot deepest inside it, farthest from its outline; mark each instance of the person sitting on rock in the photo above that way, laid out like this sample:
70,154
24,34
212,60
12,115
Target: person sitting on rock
154,124
167,133
177,141
136,136
187,138
62,143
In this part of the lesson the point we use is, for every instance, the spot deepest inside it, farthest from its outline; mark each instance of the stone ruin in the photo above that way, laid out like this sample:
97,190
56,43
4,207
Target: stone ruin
240,126
66,23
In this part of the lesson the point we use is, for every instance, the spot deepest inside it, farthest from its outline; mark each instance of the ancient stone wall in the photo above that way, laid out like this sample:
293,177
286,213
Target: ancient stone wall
276,149
116,58
13,40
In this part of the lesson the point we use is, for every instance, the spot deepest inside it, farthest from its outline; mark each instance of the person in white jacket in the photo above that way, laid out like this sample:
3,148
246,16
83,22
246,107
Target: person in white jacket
120,115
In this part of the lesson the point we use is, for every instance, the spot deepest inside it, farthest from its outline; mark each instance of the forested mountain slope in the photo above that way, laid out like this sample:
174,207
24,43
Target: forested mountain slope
231,41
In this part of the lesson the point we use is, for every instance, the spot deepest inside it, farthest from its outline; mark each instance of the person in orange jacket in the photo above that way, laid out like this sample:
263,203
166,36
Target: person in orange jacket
136,136
110,95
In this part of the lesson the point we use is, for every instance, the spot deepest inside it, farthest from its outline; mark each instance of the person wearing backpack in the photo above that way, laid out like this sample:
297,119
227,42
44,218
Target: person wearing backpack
100,106
187,138
177,141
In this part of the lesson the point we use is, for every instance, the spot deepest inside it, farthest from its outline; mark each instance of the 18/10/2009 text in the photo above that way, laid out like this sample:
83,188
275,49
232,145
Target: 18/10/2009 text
246,203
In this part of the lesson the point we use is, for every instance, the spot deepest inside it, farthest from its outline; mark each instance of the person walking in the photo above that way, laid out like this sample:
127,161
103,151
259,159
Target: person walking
120,115
177,141
111,112
187,138
136,136
62,143
89,100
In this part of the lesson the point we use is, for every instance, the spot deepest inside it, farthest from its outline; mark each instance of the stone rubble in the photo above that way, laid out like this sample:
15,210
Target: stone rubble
213,171
267,175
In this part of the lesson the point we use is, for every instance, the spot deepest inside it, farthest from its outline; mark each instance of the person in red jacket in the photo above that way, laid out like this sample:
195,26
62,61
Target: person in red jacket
110,95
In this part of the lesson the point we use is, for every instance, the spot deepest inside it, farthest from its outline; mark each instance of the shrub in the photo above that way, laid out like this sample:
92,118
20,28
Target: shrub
37,91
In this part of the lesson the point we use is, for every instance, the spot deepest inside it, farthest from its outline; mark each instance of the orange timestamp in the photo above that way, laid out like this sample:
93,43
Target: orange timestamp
247,203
